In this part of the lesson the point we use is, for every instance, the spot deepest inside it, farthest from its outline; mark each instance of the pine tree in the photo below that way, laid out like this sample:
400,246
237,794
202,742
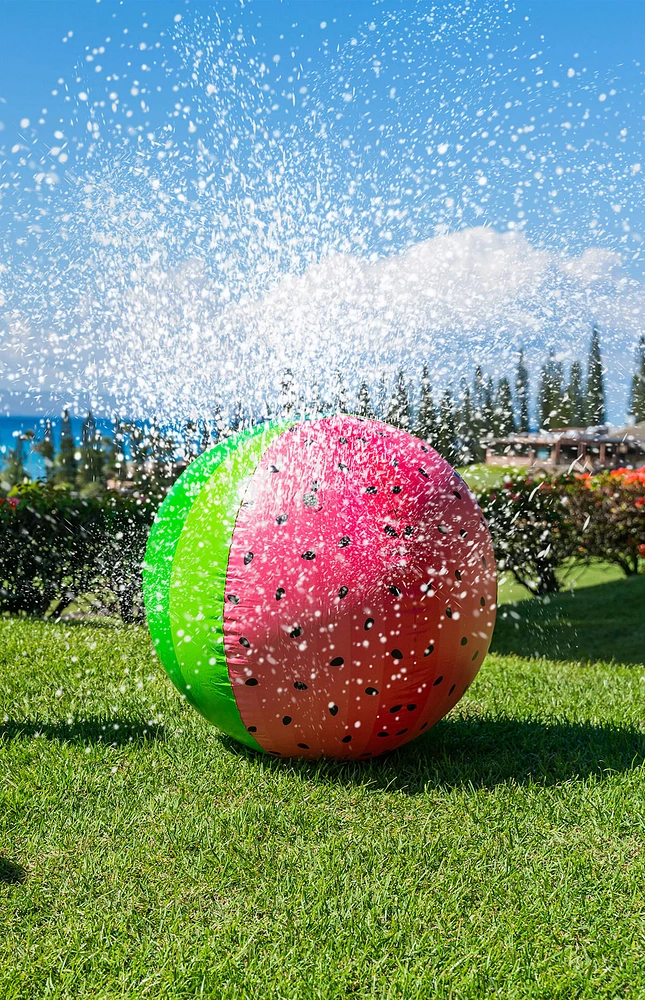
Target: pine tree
287,397
488,417
45,448
341,394
114,467
427,427
637,397
447,439
68,456
522,393
573,399
551,394
595,392
467,430
398,414
381,397
364,408
503,418
205,440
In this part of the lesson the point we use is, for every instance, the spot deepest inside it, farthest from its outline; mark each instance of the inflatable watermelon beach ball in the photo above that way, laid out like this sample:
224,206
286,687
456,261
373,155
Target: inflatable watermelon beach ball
322,588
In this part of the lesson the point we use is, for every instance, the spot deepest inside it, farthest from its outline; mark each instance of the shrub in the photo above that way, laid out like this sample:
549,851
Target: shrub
530,528
607,513
55,546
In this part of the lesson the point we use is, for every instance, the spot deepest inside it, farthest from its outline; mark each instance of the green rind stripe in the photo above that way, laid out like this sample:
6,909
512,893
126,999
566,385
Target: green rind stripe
162,544
198,581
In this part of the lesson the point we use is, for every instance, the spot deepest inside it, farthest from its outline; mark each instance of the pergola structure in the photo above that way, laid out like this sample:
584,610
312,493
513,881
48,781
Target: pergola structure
589,449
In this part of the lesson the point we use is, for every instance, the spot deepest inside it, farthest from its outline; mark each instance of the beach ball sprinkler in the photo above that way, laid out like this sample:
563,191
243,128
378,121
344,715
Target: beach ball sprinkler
324,588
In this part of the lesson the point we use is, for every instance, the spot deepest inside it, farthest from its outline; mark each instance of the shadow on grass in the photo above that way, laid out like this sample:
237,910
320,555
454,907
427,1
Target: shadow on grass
605,622
111,732
11,873
480,752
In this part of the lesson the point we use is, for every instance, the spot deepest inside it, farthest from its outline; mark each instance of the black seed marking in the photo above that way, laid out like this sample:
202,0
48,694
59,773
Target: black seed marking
244,642
438,681
452,689
410,708
315,486
368,624
484,561
448,612
464,641
372,490
389,530
346,739
397,654
272,468
251,729
295,632
396,708
457,494
333,709
397,489
383,733
343,467
248,558
371,691
276,753
233,598
303,746
252,681
429,649
482,602
344,542
279,594
409,530
423,726
475,655
286,720
395,590
282,518
300,686
308,554
423,448
401,732
343,592
342,440
423,472
463,533
457,575
441,528
336,662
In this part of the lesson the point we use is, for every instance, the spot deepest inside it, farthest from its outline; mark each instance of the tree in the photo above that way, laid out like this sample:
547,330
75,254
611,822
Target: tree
91,466
398,413
287,397
470,449
573,400
637,397
595,394
427,427
205,440
447,445
522,394
381,397
550,402
503,418
488,418
45,448
364,408
14,471
341,394
67,458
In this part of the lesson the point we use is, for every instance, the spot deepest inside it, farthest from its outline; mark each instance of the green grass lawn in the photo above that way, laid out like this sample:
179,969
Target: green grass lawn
500,855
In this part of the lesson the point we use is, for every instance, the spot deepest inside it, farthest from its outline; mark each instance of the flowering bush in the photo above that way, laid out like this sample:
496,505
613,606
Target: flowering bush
607,514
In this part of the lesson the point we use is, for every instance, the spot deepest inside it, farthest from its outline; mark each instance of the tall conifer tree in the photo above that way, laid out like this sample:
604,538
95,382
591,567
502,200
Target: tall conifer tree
398,413
637,396
595,392
522,394
364,408
447,439
503,417
550,402
427,426
66,461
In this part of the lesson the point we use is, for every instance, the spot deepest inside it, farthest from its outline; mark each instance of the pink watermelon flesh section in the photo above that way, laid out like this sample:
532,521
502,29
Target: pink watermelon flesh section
360,592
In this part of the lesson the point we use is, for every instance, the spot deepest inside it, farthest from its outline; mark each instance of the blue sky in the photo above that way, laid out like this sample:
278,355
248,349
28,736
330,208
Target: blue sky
233,147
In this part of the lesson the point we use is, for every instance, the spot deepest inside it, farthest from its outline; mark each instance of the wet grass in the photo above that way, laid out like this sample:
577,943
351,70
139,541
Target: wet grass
501,854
